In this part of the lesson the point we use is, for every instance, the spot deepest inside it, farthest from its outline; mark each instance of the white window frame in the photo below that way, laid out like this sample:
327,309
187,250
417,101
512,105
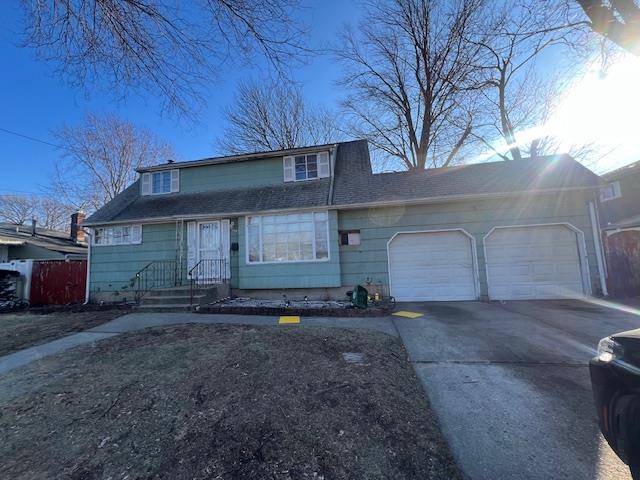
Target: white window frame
613,188
323,166
110,234
147,182
262,262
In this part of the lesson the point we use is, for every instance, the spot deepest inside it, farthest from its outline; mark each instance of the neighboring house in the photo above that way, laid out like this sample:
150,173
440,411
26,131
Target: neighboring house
620,221
316,221
52,265
29,242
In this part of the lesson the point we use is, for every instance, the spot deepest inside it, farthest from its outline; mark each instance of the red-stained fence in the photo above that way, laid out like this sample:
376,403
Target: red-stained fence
58,282
623,261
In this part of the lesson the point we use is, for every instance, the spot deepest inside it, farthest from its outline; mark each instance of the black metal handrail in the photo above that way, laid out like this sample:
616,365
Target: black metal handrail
208,271
158,274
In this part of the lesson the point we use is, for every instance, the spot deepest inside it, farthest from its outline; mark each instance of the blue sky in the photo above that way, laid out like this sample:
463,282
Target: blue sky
34,101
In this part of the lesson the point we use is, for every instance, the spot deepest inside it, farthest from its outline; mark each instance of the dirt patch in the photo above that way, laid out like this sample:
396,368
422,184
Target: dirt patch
218,402
25,329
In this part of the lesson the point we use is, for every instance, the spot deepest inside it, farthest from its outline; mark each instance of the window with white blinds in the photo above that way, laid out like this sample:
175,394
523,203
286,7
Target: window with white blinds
298,168
120,235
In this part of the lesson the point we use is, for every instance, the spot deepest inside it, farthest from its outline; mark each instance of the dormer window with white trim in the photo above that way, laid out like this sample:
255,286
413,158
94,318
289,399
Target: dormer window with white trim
158,183
298,168
610,192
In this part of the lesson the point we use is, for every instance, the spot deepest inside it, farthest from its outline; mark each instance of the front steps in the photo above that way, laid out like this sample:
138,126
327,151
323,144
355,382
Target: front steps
178,299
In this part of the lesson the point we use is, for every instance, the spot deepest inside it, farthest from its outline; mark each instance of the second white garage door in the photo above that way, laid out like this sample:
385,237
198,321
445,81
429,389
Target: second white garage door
539,262
432,266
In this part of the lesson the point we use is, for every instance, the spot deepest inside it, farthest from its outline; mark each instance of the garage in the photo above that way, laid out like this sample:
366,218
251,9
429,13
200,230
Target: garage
533,262
432,266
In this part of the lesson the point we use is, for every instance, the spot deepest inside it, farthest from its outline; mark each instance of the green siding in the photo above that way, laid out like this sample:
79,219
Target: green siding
235,255
252,173
368,261
113,267
291,275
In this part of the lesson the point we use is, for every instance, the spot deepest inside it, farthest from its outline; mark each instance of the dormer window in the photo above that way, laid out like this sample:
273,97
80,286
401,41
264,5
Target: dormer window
299,168
610,192
157,183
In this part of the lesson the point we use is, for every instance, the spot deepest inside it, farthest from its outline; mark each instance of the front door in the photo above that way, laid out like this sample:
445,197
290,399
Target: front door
211,256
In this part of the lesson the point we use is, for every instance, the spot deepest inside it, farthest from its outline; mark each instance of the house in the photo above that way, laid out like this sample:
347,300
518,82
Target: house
620,222
316,221
52,265
22,242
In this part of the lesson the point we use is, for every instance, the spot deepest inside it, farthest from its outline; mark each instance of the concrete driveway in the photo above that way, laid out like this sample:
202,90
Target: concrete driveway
510,385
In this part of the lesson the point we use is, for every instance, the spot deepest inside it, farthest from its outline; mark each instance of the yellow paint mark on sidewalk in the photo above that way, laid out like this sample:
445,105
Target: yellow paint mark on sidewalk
407,314
289,319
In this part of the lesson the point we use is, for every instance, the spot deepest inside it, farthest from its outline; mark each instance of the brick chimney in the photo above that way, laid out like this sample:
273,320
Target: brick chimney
77,234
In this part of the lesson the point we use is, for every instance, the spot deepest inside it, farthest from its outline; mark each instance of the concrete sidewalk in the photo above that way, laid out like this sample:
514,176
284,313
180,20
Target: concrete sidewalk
139,321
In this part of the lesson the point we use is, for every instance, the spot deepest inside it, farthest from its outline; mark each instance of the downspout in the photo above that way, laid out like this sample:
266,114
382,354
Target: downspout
88,281
601,243
597,240
334,151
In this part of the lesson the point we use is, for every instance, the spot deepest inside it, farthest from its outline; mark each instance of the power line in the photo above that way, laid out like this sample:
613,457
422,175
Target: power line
33,139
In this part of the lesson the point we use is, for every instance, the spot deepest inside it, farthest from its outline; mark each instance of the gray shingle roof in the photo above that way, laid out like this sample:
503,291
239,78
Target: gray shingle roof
355,183
272,197
622,171
54,240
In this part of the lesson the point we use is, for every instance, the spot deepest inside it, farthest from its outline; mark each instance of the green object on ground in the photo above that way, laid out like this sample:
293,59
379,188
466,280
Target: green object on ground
359,297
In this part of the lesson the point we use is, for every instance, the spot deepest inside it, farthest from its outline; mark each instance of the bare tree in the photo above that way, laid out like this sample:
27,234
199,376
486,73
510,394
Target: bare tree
101,156
53,214
275,116
411,73
168,48
517,100
17,209
47,211
616,20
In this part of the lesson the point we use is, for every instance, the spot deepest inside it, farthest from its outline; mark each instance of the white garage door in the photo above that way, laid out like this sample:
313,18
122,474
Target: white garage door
533,263
431,266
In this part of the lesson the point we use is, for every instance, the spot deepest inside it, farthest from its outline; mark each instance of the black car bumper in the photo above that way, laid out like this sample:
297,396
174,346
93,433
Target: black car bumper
615,395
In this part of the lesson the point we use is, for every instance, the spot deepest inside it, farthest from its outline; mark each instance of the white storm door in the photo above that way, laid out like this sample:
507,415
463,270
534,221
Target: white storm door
210,251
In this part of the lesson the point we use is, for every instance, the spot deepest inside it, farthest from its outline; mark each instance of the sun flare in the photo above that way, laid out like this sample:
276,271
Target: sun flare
602,107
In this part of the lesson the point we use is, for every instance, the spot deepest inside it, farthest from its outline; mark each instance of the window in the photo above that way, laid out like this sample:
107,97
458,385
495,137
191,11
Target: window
350,238
610,192
306,167
298,237
121,235
156,183
161,182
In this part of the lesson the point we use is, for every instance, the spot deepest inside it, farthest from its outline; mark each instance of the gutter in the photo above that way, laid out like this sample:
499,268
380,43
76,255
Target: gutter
334,153
234,158
354,206
88,281
597,241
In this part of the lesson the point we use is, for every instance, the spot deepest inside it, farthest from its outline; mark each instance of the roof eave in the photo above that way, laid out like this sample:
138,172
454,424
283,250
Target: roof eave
237,158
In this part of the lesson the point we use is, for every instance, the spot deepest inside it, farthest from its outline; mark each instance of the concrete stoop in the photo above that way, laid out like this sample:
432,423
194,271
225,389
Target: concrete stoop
178,299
